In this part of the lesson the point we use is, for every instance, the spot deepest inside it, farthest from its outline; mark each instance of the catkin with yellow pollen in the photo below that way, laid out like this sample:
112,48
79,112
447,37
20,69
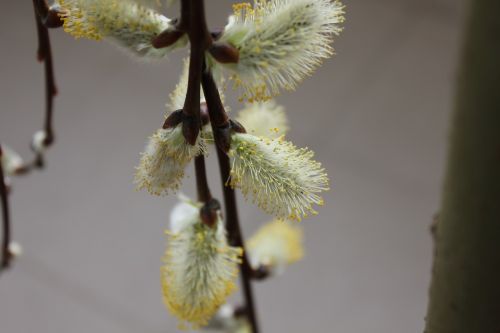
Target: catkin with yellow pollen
281,179
164,160
125,22
280,42
276,245
200,268
264,119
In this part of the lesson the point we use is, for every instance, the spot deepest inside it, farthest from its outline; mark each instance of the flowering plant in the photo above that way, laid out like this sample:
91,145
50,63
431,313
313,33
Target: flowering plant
265,47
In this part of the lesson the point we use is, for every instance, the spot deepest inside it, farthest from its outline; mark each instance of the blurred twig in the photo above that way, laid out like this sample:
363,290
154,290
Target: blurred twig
6,256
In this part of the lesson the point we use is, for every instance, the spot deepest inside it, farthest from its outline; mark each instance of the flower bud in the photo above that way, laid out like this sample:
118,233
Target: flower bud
12,162
15,249
38,143
227,320
224,53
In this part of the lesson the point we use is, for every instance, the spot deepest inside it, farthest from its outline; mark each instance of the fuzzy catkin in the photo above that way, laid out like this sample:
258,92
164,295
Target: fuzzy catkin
280,42
264,119
282,180
200,268
164,160
276,245
127,23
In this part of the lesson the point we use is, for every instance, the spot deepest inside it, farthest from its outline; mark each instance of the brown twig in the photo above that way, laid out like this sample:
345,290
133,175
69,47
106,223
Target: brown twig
6,256
195,24
220,127
45,55
204,194
193,21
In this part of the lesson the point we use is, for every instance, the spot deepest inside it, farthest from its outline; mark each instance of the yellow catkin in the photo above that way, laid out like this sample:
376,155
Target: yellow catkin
281,179
125,22
276,243
164,160
199,272
280,42
94,19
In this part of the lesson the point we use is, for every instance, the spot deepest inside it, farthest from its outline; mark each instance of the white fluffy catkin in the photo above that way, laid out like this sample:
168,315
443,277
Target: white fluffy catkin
126,22
282,179
200,268
280,42
162,164
265,119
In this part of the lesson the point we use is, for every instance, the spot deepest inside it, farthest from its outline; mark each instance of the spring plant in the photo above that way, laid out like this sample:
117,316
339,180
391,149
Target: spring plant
265,48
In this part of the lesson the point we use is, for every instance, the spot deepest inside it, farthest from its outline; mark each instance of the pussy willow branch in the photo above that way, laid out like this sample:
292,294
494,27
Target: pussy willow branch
220,123
193,21
45,18
5,260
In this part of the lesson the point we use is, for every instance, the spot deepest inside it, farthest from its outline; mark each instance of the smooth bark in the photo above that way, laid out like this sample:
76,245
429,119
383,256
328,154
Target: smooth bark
465,288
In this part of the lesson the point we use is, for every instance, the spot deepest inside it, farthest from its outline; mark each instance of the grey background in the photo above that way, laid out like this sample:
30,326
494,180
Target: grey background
376,115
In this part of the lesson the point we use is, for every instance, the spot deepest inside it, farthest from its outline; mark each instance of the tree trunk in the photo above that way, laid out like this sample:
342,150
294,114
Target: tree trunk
465,288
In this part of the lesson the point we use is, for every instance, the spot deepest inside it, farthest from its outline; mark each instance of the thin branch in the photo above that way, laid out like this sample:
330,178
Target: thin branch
204,194
219,119
194,22
199,38
45,55
6,256
185,15
218,115
41,8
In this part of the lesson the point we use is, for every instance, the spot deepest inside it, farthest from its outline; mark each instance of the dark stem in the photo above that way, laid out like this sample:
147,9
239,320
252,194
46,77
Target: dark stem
204,194
48,16
199,38
45,55
185,15
193,19
193,22
218,115
41,8
219,119
236,239
5,219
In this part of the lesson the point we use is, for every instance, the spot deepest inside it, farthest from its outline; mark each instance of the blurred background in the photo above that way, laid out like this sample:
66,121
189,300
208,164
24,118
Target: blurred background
376,115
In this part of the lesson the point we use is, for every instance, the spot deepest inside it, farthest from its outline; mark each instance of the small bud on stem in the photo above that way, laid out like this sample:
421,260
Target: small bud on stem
224,53
173,119
49,16
167,38
209,212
